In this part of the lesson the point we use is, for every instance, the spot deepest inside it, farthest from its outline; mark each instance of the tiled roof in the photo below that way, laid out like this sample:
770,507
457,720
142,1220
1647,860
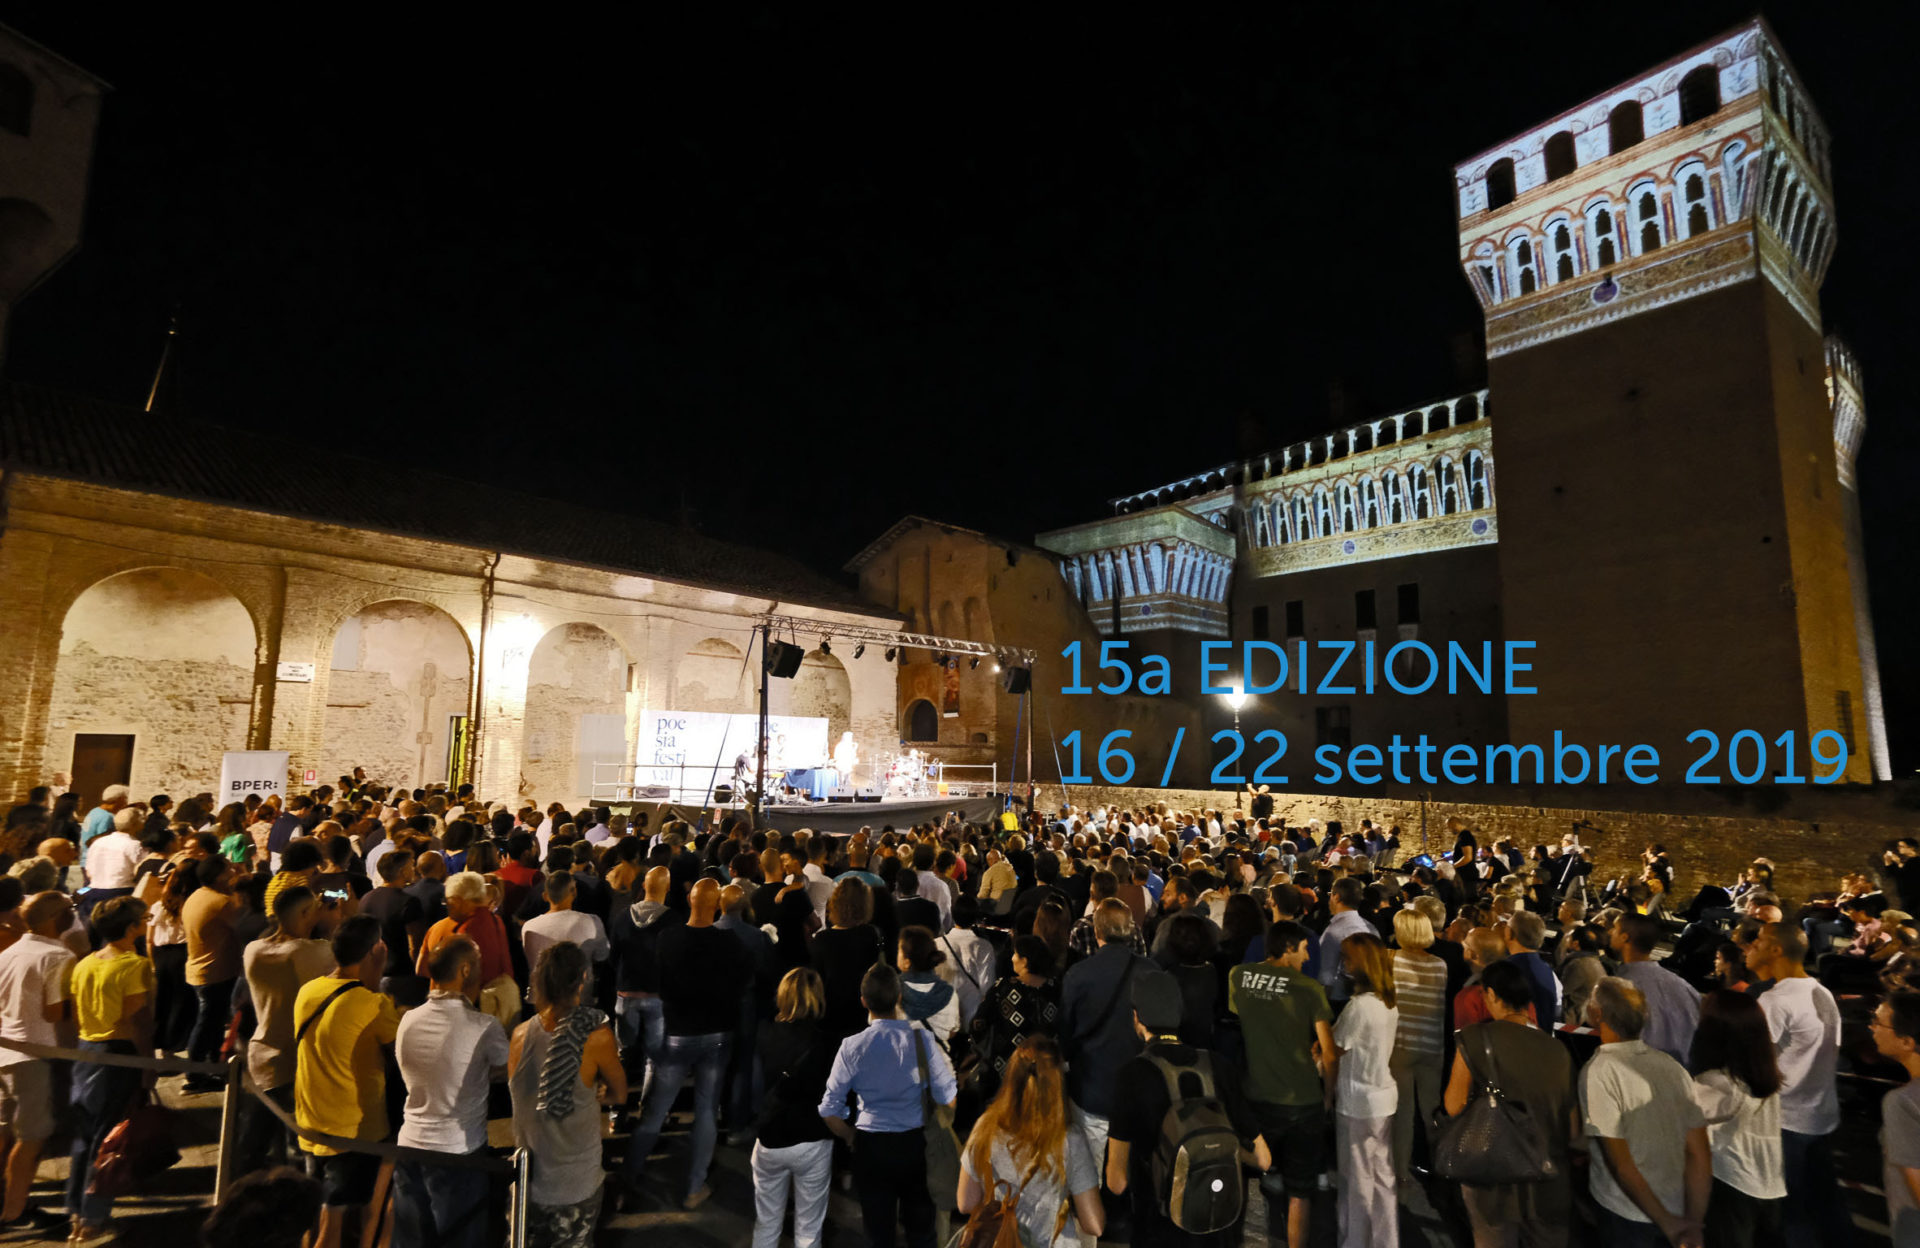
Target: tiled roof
70,436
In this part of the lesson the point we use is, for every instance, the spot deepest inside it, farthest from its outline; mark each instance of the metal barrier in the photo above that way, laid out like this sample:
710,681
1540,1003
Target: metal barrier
226,1165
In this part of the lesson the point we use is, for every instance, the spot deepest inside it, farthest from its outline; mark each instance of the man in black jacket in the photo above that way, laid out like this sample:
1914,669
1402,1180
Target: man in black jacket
703,971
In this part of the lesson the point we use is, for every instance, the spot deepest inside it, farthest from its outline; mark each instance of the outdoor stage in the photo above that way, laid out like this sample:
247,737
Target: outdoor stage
839,818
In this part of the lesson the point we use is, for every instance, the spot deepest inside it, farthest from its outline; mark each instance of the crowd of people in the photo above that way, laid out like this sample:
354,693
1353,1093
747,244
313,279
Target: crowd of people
1107,1023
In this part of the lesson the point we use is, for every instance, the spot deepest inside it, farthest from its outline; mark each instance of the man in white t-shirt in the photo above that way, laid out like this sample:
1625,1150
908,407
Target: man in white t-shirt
35,984
112,857
1805,1022
563,922
1653,1169
448,1052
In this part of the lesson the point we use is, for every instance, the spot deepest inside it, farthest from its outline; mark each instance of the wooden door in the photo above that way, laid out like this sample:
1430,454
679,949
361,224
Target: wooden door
100,759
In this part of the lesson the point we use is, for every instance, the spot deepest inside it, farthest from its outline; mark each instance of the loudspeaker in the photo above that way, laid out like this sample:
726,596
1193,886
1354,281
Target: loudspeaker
722,794
783,659
867,795
1017,680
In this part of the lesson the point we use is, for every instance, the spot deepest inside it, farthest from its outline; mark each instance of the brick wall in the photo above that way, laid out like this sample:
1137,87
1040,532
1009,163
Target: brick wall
183,714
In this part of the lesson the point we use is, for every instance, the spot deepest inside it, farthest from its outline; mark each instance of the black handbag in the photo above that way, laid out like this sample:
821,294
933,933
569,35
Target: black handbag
1495,1139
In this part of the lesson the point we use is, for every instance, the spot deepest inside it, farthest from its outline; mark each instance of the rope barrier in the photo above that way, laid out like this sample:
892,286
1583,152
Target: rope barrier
377,1148
170,1065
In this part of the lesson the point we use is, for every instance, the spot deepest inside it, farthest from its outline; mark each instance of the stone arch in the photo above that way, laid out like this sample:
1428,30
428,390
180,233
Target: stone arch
164,655
822,690
921,723
576,711
713,675
400,681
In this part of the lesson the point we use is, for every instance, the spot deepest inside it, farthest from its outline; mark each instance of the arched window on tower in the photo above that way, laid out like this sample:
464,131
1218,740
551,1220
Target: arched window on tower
1349,517
1645,199
1499,184
1624,127
1396,494
1697,205
1699,94
1733,183
16,99
1417,485
1370,507
1606,251
1302,530
1525,279
1560,249
1276,514
1449,486
1477,497
1322,513
1561,160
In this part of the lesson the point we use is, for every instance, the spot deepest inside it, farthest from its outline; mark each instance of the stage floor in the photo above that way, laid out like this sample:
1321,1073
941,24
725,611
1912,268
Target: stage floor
839,818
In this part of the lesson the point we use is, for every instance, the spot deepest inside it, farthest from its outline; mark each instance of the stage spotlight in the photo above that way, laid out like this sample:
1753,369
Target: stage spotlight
891,651
973,663
859,649
826,645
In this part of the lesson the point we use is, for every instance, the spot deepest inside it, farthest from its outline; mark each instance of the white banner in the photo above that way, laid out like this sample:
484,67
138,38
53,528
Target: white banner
695,750
252,771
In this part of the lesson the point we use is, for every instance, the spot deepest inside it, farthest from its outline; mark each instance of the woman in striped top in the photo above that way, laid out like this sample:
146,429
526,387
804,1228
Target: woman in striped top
1419,1044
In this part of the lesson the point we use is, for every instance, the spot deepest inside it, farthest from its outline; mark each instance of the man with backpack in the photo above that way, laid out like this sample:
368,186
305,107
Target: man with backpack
1180,1131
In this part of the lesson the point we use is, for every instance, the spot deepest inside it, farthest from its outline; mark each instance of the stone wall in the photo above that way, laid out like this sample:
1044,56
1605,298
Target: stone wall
1810,848
577,669
182,713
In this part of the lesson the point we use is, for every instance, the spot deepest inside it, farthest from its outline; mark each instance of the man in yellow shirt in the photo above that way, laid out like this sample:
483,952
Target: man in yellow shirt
341,1023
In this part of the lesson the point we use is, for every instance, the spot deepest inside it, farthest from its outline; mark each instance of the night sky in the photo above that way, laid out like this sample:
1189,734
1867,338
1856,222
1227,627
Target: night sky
787,278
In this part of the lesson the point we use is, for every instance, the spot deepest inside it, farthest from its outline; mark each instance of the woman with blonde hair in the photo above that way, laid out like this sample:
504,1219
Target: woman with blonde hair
1021,1147
1365,1096
793,1148
1419,1044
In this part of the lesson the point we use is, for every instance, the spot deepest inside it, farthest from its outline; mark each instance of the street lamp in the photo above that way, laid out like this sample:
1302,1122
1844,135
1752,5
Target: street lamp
1236,699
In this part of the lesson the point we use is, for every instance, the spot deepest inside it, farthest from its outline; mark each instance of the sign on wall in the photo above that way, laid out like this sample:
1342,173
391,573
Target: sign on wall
252,771
294,673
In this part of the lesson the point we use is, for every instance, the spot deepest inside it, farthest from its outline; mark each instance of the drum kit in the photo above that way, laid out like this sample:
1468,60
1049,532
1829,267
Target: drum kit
911,774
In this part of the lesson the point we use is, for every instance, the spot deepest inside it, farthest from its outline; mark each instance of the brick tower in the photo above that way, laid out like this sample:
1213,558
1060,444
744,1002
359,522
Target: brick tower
1674,517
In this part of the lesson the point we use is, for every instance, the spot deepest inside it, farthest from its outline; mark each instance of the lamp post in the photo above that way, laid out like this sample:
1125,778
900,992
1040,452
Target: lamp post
1236,698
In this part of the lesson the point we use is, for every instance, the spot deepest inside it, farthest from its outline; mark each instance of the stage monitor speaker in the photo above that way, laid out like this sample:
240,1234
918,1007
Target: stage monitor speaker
840,793
783,659
723,794
1017,680
867,795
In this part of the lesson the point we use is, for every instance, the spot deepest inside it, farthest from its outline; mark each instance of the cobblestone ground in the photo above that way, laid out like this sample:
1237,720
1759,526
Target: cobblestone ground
169,1212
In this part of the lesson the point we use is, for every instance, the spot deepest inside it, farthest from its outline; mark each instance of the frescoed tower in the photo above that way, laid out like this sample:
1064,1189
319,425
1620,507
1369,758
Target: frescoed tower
1674,517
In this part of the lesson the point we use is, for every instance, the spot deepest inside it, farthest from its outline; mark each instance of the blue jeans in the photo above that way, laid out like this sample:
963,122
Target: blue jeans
1619,1232
438,1206
705,1058
101,1097
640,1025
210,1021
743,1075
1816,1214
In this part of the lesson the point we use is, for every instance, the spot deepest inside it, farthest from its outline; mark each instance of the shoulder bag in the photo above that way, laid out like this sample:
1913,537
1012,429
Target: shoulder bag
943,1146
1495,1139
